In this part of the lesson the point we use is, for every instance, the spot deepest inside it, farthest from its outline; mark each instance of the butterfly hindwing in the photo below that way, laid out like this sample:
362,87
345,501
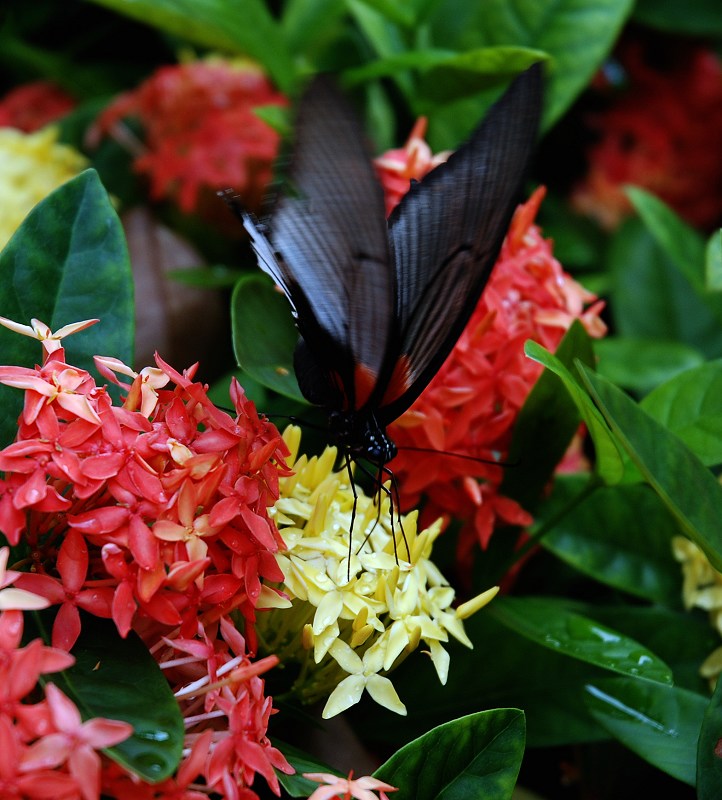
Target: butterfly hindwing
446,233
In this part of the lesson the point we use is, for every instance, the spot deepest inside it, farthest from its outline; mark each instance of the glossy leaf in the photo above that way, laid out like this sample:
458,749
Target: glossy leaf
696,17
577,34
476,756
689,406
545,425
686,487
713,262
548,623
446,75
682,243
248,28
652,299
659,723
609,465
709,749
67,262
119,679
296,785
308,23
264,335
620,536
642,364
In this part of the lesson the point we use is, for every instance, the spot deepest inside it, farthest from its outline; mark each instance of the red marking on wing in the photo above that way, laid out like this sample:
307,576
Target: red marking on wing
400,381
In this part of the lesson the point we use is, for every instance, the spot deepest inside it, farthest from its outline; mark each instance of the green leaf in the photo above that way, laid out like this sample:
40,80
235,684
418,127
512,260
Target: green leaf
67,262
447,76
695,17
264,335
652,299
659,723
641,364
620,536
119,679
686,487
308,23
475,756
682,243
296,785
247,28
709,763
577,34
689,406
545,425
609,465
392,11
548,623
713,262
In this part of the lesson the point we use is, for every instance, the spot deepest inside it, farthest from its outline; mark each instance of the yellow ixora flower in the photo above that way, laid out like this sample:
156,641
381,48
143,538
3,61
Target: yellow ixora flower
356,611
31,166
701,588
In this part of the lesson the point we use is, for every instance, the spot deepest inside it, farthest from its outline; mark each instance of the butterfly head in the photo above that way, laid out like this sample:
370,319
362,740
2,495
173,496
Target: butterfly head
361,436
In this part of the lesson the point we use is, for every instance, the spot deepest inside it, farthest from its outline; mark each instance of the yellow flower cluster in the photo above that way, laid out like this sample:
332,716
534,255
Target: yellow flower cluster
31,166
702,587
357,611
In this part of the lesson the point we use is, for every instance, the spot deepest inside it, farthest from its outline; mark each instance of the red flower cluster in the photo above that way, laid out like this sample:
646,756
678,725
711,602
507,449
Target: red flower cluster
45,749
154,514
470,406
662,133
200,131
34,105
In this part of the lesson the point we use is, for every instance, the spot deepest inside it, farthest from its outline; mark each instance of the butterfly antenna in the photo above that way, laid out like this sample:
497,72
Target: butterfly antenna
476,459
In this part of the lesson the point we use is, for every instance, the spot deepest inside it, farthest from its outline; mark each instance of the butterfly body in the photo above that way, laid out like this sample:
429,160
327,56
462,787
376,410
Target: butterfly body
380,304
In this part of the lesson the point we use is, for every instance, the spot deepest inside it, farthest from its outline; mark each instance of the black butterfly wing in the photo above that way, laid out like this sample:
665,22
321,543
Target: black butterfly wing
328,251
445,236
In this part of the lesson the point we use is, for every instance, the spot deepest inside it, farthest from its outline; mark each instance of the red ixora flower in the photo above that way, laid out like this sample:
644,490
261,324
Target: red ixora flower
200,131
470,406
661,131
34,105
153,513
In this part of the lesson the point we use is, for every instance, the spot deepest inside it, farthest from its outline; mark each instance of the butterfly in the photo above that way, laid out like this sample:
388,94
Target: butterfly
380,304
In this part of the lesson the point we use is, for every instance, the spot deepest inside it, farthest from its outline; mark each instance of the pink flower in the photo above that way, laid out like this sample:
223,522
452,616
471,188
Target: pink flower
346,788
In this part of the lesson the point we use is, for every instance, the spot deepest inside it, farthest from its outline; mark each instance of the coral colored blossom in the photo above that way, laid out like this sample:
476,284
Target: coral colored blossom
470,406
200,131
155,514
661,132
34,105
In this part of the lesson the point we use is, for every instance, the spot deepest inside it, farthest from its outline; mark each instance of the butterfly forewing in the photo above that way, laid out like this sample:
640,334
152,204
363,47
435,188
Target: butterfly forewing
445,236
331,234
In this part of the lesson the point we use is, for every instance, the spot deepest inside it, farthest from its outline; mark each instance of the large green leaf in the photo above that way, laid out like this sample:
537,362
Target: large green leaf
709,763
686,487
652,299
690,405
713,262
247,28
641,364
577,34
545,425
659,723
620,536
119,679
550,624
609,464
476,756
682,243
296,785
264,335
67,262
696,17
